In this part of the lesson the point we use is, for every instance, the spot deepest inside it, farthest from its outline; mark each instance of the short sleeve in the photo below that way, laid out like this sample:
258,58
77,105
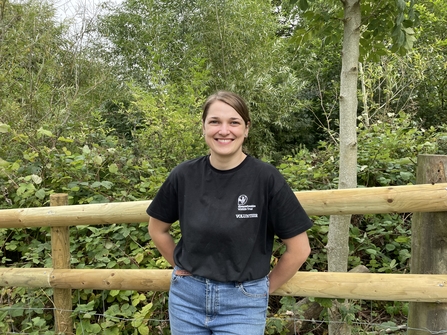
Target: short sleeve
164,206
287,215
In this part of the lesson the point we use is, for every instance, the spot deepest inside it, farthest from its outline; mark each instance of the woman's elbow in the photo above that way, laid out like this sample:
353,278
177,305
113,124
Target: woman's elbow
307,251
157,227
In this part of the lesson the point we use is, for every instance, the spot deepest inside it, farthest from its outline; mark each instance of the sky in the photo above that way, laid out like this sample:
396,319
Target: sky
77,12
77,9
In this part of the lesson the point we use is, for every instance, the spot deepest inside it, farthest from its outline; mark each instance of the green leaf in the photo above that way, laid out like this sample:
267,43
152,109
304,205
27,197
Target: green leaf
114,293
107,184
85,150
406,175
143,330
98,160
39,322
40,194
139,258
401,5
371,251
137,322
42,132
113,168
111,331
303,5
324,302
95,328
146,309
4,128
96,184
87,316
393,264
390,247
64,139
36,179
109,245
402,239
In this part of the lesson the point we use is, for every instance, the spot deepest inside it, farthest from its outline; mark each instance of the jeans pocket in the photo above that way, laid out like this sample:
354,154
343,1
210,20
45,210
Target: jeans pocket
179,273
174,276
255,288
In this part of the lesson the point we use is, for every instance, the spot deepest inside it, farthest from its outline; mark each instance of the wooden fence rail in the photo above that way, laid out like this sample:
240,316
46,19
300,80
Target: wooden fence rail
337,285
374,200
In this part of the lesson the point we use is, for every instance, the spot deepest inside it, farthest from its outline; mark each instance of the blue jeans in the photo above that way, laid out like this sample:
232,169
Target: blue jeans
199,306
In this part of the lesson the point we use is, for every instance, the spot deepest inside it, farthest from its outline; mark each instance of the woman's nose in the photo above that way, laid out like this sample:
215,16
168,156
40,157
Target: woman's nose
224,129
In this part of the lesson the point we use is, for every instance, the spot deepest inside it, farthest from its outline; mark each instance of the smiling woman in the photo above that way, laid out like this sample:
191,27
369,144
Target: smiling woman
229,206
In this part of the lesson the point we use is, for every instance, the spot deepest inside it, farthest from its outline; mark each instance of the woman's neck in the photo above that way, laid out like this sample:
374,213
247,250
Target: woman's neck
226,163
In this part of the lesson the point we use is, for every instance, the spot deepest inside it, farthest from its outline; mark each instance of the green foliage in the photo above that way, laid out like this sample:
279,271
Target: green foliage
432,55
386,156
146,310
386,26
201,42
404,142
108,126
381,243
171,129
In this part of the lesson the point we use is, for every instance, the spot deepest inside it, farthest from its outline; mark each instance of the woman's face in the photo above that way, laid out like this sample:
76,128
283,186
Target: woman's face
224,130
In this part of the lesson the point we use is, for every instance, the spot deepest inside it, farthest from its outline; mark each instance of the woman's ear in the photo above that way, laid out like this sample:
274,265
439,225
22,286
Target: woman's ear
247,128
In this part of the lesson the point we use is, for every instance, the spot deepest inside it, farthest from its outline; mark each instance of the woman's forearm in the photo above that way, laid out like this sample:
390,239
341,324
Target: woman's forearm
166,245
285,269
159,232
297,251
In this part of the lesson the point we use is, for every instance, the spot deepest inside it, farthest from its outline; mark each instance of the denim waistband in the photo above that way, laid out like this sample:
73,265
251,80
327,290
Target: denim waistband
206,280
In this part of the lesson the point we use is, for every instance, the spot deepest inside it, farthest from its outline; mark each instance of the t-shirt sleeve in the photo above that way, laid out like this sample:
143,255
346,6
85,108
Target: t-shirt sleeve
287,215
164,206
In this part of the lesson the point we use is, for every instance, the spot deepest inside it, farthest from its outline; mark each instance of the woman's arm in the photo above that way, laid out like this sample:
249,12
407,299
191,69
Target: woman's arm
297,251
159,232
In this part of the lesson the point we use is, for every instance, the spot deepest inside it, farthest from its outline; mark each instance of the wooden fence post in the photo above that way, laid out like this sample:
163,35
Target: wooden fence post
428,249
60,250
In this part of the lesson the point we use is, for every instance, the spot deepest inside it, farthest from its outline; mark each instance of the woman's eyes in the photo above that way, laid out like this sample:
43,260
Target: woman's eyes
217,122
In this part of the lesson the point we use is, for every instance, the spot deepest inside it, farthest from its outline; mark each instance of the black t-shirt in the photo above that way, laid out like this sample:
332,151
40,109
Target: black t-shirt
228,218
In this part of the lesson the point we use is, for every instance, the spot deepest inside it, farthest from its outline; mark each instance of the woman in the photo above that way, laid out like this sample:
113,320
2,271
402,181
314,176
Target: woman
229,205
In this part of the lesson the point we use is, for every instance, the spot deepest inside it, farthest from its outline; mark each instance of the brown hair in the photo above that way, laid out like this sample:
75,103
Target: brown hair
231,99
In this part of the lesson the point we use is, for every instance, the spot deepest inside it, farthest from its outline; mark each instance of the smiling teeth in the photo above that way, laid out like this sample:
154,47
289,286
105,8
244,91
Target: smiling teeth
224,141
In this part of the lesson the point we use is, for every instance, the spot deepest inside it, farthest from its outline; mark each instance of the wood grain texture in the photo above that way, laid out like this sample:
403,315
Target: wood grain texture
337,285
374,200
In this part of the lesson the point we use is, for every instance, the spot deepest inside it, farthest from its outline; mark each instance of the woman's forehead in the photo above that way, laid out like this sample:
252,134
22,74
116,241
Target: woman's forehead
222,110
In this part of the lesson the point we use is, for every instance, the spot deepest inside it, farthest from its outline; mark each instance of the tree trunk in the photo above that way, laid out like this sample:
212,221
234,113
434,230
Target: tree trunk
338,236
428,250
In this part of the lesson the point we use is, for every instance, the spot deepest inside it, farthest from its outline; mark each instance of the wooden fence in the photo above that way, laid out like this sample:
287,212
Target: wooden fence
430,288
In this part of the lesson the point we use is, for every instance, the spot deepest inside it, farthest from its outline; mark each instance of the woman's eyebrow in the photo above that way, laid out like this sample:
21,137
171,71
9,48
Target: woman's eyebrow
231,118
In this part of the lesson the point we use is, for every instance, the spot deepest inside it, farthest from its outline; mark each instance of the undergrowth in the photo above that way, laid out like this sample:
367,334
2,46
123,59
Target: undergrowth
98,169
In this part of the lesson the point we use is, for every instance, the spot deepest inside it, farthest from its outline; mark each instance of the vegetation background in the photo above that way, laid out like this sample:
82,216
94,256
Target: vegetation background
103,112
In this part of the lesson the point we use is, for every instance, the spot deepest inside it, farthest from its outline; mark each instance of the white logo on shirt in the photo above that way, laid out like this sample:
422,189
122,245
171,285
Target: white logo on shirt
242,206
242,200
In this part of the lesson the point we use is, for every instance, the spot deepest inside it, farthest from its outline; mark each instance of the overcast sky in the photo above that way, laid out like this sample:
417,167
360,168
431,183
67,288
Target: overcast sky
71,9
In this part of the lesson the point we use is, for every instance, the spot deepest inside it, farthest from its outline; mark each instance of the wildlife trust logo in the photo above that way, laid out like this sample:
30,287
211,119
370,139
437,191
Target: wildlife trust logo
242,200
242,206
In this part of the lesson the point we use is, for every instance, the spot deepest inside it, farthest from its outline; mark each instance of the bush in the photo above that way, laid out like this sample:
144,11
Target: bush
97,167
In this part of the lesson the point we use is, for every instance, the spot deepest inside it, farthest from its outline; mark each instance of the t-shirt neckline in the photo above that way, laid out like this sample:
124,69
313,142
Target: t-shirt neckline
238,167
